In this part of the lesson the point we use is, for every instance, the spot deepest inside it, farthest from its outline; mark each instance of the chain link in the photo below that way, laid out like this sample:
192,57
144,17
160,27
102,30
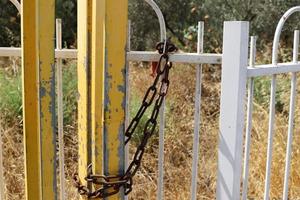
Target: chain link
111,185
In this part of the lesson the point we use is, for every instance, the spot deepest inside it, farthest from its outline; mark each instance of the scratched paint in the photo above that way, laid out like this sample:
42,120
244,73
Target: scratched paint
46,35
83,69
114,99
97,83
30,99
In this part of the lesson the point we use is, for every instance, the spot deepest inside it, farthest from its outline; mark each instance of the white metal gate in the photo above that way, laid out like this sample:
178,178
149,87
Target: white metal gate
235,73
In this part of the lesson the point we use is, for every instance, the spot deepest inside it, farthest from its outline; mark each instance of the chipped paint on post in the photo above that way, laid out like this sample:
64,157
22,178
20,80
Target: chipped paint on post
39,98
46,35
30,98
97,83
83,69
114,103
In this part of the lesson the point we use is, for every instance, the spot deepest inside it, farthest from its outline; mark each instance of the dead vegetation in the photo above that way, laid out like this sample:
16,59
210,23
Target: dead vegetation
178,143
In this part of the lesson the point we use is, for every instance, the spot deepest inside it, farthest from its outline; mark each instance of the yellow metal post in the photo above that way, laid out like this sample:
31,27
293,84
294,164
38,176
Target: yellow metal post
46,41
83,71
97,83
114,103
30,98
38,98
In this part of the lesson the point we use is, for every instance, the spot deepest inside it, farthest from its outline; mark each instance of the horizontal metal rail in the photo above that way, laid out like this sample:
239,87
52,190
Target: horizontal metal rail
189,58
270,69
16,52
138,56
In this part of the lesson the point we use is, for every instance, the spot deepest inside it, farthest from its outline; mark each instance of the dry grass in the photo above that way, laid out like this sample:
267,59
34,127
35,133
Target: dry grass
178,144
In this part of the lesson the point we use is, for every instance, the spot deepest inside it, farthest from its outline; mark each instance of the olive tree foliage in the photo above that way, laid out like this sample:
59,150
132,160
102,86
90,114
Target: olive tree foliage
182,17
9,24
10,19
67,11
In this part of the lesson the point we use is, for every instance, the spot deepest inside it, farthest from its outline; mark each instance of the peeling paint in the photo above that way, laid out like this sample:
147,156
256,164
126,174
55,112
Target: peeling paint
121,150
42,92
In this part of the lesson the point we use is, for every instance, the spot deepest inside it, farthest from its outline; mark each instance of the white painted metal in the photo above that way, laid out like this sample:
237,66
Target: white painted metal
16,4
163,34
291,119
278,32
136,56
1,166
162,23
197,115
234,80
16,52
127,88
270,137
10,51
270,69
160,182
66,53
188,58
252,51
60,110
161,149
296,46
272,101
249,121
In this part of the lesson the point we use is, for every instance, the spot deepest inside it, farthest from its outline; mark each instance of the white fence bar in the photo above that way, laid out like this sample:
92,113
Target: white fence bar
16,52
161,19
17,5
1,166
291,119
60,111
197,115
137,56
234,80
270,138
278,31
161,148
160,181
270,69
249,121
188,58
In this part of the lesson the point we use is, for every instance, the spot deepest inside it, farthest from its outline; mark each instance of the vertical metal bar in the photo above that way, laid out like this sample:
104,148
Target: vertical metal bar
127,110
83,73
30,52
1,166
97,83
249,120
234,81
47,95
160,180
114,103
291,119
197,114
160,183
60,110
270,138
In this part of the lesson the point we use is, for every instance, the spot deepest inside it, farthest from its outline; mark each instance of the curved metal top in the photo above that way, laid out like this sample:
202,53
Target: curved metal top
16,4
278,32
162,23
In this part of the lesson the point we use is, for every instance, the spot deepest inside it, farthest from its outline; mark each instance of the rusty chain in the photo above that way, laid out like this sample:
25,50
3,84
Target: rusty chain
110,185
